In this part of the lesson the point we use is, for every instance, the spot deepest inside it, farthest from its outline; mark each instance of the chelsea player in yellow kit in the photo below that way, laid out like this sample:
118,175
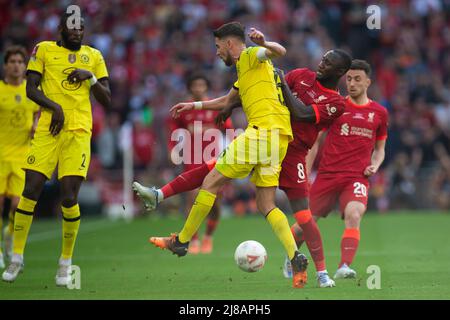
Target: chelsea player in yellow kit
259,151
66,72
17,118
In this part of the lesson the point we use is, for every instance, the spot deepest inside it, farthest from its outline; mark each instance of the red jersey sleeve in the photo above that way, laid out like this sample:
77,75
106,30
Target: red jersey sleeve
172,125
228,124
382,128
329,110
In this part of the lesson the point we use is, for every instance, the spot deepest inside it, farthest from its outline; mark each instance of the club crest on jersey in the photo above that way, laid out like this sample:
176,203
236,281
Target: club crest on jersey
371,116
18,98
345,129
72,58
330,110
84,59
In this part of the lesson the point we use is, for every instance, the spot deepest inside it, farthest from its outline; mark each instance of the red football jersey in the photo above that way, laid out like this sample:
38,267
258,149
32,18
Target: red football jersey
187,121
328,105
348,147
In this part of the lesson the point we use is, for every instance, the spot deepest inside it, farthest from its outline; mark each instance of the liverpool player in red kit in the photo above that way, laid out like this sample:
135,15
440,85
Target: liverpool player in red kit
314,106
353,151
192,123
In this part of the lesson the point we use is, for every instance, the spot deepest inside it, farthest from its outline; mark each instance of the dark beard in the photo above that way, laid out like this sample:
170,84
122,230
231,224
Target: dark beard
72,46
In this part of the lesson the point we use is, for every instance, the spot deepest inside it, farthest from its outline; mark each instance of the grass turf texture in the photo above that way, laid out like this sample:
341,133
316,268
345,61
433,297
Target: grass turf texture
117,262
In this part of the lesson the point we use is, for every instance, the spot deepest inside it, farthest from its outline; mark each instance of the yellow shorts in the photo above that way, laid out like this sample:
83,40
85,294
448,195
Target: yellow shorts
256,150
12,178
70,150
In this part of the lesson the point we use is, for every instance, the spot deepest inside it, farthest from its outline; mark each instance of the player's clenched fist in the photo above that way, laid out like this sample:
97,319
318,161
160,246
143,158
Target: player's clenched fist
79,75
257,36
370,170
181,107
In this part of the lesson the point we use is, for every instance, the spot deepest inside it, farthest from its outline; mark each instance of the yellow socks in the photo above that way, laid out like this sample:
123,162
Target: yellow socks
22,223
70,226
201,208
280,225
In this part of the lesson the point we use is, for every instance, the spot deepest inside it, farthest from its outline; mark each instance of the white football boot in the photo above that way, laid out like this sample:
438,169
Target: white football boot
15,267
148,195
287,268
64,273
345,272
324,280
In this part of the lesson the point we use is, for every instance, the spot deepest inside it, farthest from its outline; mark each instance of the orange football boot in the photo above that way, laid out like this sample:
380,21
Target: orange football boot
171,243
299,266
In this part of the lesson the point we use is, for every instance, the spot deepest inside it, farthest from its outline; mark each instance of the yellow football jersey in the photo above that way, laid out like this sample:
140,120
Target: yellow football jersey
262,101
16,120
55,63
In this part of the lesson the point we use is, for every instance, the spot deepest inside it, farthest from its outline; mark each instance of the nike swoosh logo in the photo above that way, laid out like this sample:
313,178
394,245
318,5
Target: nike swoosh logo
301,181
305,84
56,58
346,113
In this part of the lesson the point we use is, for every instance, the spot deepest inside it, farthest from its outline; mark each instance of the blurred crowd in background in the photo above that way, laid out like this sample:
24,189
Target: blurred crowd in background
151,46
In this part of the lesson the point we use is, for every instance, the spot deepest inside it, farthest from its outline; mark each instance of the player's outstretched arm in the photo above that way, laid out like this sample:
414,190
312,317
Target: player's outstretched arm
36,95
299,111
273,49
215,104
100,88
226,112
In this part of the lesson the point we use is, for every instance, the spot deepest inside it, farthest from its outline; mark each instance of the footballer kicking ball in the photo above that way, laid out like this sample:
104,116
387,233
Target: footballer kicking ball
250,256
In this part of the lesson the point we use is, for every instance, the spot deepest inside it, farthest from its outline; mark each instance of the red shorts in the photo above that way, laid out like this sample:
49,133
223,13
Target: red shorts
328,189
293,178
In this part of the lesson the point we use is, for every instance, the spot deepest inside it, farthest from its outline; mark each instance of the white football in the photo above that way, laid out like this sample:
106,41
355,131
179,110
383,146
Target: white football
250,256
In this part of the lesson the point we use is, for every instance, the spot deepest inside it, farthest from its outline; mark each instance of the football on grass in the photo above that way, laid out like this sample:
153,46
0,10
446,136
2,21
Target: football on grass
250,256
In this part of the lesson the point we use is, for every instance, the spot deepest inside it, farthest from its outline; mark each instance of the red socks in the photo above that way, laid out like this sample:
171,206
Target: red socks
188,180
349,245
311,235
211,226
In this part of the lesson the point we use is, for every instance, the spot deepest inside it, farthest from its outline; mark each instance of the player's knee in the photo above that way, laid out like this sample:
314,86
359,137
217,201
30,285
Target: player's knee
353,218
69,200
31,191
264,206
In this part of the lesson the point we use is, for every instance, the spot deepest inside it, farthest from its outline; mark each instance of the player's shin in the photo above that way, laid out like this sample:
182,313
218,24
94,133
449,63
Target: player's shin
349,245
280,226
202,206
22,223
70,226
312,237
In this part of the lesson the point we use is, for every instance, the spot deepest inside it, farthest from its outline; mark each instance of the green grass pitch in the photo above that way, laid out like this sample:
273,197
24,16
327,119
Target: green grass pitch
117,262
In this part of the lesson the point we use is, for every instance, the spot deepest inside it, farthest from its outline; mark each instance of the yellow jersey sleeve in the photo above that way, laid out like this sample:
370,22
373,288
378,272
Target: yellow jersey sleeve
37,59
100,70
236,85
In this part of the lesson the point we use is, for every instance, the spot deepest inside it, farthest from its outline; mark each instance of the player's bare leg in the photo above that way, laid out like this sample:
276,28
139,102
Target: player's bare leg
34,183
70,187
353,214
